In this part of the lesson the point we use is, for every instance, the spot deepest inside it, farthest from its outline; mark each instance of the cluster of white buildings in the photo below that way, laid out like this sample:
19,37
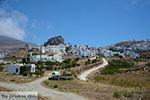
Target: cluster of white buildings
2,55
141,46
75,49
82,50
110,53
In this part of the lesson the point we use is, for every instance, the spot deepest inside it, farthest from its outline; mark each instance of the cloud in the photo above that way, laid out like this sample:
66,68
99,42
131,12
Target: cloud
35,38
131,3
127,3
147,2
12,23
33,23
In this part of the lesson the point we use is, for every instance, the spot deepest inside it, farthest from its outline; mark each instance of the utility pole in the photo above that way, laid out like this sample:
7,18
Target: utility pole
41,57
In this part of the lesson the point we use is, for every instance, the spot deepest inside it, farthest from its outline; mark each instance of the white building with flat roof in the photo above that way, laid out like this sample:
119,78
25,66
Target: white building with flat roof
56,48
44,58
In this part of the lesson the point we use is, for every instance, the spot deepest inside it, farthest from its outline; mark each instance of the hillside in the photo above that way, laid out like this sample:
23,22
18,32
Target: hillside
8,45
130,42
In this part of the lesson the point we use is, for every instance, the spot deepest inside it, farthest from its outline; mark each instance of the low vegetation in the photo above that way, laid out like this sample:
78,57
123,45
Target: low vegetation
17,78
137,80
117,94
90,90
116,66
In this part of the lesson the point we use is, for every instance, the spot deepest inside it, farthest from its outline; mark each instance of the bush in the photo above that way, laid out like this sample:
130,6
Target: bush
1,68
12,80
25,73
77,59
37,72
128,95
115,67
117,94
46,83
55,86
94,61
148,64
31,73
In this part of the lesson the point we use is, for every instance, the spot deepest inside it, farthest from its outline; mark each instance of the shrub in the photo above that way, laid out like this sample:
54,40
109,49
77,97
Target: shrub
37,72
55,86
146,97
46,83
77,59
25,73
128,95
1,68
12,80
94,61
148,64
117,94
31,73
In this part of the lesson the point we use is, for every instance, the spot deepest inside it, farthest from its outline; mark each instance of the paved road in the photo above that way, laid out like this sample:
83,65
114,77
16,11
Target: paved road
86,73
35,86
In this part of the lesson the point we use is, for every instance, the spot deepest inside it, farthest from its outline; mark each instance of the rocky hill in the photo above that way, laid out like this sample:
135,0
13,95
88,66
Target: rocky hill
55,41
9,45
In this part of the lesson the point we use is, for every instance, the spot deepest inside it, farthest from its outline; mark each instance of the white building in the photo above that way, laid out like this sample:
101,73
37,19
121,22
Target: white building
15,68
44,58
38,47
56,48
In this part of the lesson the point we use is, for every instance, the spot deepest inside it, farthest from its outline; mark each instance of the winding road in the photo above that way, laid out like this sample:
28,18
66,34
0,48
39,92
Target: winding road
52,94
86,73
36,86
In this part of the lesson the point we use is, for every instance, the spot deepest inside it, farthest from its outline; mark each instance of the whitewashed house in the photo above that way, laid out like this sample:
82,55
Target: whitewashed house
56,48
15,68
44,58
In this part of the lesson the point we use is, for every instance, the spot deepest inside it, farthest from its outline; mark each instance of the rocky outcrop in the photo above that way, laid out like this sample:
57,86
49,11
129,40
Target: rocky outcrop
55,41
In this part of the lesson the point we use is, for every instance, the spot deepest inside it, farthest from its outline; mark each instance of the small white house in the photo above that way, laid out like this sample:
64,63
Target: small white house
56,74
15,68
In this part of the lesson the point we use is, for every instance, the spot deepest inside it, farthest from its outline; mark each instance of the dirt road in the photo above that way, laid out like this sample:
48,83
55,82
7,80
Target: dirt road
86,73
36,86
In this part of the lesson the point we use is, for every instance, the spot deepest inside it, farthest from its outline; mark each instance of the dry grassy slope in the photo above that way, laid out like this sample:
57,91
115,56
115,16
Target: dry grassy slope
8,44
126,42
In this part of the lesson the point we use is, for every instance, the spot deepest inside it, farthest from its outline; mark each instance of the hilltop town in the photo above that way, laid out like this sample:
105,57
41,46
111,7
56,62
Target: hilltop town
74,68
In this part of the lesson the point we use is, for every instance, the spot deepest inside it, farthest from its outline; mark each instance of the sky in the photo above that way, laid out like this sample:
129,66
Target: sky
96,23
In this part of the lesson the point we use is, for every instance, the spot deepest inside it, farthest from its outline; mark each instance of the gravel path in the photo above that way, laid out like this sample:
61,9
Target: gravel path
35,86
86,73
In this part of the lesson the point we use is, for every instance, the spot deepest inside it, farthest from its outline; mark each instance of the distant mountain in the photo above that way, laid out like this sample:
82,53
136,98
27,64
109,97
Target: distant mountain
55,41
8,45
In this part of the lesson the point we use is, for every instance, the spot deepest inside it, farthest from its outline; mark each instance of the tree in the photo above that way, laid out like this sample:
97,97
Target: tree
94,61
38,72
67,49
49,63
67,61
77,59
